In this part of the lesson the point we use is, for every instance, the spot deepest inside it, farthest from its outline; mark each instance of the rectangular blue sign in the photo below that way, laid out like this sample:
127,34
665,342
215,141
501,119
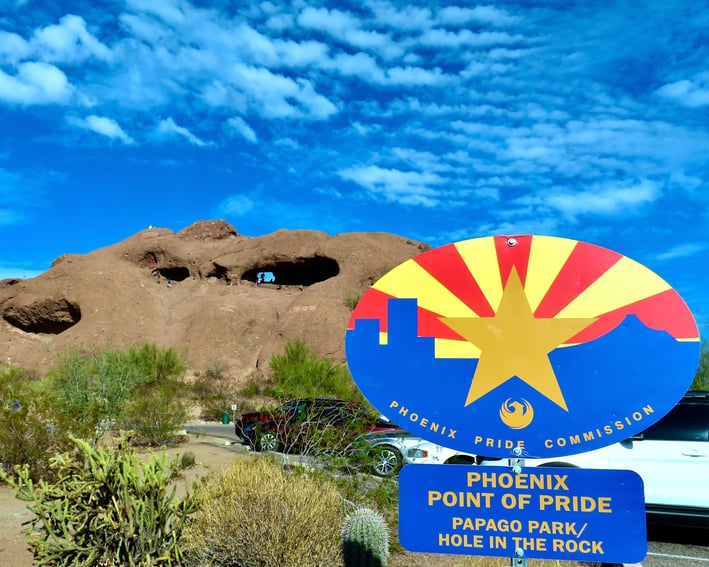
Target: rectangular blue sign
545,513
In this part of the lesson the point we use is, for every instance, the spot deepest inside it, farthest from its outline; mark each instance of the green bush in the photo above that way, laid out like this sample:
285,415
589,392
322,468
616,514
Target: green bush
352,300
260,514
158,366
155,417
300,373
94,389
251,389
104,509
30,430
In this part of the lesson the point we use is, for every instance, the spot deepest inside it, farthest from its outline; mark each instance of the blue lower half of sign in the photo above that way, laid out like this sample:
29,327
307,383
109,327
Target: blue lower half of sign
546,513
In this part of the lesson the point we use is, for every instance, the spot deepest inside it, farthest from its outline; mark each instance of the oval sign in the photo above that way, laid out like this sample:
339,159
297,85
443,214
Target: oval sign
548,344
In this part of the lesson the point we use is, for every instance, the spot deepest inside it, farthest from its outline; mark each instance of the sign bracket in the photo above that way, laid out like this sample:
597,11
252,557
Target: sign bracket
516,463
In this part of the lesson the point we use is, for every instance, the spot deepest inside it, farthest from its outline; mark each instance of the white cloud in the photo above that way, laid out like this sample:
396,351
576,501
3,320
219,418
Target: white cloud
13,48
347,28
35,83
416,76
466,38
400,17
68,42
236,205
277,96
238,126
405,187
691,93
104,126
172,11
167,128
608,200
487,15
683,251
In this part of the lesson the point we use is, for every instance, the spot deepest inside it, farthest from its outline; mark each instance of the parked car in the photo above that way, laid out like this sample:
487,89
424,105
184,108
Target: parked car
671,456
299,422
385,452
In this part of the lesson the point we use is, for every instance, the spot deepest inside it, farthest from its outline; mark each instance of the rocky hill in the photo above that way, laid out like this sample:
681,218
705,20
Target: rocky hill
213,310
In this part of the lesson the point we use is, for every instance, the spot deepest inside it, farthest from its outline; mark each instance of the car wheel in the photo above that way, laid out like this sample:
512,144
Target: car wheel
386,461
266,441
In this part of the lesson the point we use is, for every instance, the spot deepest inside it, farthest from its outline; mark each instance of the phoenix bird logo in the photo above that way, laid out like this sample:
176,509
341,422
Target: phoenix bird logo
516,414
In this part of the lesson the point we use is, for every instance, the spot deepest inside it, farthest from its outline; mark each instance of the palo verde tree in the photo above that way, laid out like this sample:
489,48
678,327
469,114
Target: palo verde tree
97,389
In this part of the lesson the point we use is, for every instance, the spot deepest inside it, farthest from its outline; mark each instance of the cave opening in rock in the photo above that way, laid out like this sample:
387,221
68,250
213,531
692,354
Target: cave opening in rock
176,273
299,271
48,316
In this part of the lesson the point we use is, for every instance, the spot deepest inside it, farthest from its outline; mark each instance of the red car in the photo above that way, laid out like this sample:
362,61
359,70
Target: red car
301,422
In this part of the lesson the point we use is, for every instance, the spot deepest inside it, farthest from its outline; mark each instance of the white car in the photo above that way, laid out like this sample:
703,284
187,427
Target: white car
388,451
671,456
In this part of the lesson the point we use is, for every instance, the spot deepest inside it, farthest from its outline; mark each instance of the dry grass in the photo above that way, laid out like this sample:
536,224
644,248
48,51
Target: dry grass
258,513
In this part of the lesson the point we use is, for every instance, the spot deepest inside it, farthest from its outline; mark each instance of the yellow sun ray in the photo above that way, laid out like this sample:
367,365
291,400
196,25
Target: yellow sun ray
625,282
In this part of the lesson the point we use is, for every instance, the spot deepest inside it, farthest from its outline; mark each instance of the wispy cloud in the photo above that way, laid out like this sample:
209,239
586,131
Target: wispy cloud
604,200
167,129
687,250
104,126
405,187
239,127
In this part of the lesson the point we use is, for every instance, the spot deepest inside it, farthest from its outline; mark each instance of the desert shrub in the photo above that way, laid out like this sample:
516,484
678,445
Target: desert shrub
352,300
251,388
93,389
213,409
31,432
104,508
258,513
154,418
188,460
300,373
217,370
158,366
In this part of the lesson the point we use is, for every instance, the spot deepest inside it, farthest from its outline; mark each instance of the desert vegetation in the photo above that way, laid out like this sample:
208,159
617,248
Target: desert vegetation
94,502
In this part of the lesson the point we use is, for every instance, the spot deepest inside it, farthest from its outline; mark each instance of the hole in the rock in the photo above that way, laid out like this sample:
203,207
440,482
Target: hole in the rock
301,271
219,272
176,274
51,316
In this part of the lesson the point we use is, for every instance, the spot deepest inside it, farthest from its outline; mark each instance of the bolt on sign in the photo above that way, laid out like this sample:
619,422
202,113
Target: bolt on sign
545,344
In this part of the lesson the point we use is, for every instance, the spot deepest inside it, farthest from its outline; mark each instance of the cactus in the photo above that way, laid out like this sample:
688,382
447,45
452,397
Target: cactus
365,539
104,508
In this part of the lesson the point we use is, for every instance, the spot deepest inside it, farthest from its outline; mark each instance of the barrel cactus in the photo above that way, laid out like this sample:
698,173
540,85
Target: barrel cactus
365,539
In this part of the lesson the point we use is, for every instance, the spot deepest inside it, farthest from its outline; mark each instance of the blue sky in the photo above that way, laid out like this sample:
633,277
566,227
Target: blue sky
586,120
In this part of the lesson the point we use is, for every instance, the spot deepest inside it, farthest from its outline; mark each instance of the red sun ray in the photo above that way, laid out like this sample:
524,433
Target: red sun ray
585,265
665,311
516,256
449,268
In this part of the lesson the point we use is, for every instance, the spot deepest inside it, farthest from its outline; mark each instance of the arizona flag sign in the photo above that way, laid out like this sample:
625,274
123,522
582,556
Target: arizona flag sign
548,344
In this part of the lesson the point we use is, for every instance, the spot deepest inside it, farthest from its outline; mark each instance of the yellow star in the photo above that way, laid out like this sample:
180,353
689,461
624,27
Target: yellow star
515,343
